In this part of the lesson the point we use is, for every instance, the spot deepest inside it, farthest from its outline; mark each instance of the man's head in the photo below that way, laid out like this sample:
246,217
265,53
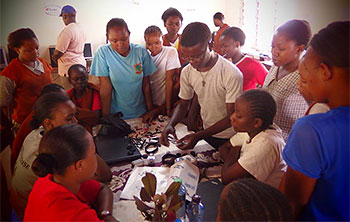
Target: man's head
68,14
218,19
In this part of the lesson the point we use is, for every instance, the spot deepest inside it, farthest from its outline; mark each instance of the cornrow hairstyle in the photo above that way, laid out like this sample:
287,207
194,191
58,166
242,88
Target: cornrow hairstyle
262,105
332,44
152,29
235,33
116,22
59,148
44,106
77,67
251,200
50,88
297,30
171,12
16,38
219,16
195,33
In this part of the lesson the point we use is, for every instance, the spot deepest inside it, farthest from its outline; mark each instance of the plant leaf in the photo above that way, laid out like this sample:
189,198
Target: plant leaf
175,207
157,215
141,206
150,183
173,189
144,195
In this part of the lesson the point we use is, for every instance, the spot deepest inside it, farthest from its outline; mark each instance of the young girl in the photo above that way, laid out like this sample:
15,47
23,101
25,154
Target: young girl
256,150
65,191
254,73
288,43
50,110
22,80
166,60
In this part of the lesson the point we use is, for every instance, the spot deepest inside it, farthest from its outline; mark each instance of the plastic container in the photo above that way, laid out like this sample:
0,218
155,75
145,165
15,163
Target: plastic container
181,212
195,210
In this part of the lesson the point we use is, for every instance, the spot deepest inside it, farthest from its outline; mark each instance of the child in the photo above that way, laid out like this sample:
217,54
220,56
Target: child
256,150
166,60
254,73
65,191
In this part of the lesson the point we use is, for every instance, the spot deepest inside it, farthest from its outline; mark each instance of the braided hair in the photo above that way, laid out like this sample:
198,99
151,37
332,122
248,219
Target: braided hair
152,29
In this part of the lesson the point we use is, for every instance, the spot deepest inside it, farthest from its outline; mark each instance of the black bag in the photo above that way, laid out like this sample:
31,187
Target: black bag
113,125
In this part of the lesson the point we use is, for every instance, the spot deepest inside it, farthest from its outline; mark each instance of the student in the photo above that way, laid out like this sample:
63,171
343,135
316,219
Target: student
256,150
317,151
288,44
254,73
50,110
166,60
218,19
124,71
216,81
250,200
65,191
22,80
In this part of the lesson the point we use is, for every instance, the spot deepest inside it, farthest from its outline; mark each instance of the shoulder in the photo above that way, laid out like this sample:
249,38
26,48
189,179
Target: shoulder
228,69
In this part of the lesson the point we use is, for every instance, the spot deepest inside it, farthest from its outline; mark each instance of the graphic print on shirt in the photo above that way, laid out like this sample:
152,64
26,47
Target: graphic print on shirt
138,68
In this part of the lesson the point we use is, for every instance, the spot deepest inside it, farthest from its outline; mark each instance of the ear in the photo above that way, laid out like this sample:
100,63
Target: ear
17,50
48,124
257,123
327,73
237,44
79,165
300,48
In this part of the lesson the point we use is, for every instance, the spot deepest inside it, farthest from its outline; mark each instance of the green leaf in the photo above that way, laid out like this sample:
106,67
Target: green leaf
144,195
150,183
141,206
173,189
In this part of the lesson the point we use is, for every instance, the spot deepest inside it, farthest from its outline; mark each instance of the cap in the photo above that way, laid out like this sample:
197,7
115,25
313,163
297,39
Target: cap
68,9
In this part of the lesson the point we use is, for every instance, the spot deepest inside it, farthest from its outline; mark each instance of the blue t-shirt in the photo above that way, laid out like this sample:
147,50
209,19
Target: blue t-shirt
318,147
126,75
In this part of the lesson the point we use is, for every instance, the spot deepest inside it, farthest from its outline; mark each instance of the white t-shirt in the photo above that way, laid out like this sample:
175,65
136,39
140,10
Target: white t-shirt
223,84
319,108
262,156
166,60
71,43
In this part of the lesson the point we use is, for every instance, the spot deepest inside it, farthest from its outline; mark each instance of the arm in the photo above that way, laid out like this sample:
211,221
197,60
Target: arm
297,188
168,90
105,202
7,91
56,55
147,93
106,94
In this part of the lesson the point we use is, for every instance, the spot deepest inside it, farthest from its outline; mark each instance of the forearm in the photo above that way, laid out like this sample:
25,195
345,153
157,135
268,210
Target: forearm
56,55
104,200
169,91
179,112
147,93
214,129
106,95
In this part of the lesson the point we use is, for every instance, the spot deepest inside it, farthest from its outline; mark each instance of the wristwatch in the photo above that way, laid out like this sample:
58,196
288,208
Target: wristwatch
105,213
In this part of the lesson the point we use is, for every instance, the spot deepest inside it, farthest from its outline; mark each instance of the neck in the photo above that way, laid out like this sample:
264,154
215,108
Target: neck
31,64
292,66
78,93
69,183
339,96
221,24
211,62
238,56
252,134
171,37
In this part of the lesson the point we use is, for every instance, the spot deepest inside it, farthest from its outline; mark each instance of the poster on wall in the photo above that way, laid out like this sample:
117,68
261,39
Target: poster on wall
52,10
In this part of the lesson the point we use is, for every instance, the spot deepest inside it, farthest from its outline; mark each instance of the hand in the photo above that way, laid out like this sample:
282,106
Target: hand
164,137
224,150
188,141
148,117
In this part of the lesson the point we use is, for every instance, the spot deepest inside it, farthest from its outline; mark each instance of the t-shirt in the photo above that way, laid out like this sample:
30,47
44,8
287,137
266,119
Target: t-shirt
71,43
166,60
254,72
317,108
222,84
50,201
262,156
318,147
89,100
126,75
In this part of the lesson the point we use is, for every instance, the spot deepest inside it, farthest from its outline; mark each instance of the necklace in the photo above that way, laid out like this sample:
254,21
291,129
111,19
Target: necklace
204,76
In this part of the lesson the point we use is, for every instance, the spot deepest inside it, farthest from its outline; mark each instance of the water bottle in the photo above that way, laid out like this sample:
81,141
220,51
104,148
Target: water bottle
195,210
181,212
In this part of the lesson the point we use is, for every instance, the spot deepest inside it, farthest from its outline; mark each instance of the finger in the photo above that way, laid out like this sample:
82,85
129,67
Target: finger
174,134
164,140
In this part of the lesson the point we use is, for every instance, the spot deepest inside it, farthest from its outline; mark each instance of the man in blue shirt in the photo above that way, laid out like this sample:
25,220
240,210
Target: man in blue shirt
317,151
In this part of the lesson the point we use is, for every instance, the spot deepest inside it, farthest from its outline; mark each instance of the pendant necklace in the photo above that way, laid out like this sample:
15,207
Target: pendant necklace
204,76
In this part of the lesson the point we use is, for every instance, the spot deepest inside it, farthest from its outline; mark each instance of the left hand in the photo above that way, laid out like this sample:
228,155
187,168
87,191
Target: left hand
148,117
188,141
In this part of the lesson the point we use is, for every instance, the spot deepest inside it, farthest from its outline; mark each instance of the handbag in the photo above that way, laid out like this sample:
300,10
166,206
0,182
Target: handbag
114,125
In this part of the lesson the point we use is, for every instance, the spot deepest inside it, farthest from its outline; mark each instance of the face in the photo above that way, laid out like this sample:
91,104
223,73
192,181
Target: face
63,114
197,55
28,51
154,43
90,161
65,18
228,46
78,78
303,88
284,50
173,24
120,39
216,22
241,120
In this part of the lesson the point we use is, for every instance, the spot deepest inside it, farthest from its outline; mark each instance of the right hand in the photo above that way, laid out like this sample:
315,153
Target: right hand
164,137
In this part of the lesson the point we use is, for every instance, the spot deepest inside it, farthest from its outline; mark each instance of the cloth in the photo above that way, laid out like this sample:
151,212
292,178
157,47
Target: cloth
90,100
318,147
166,60
217,36
126,75
22,86
253,71
290,104
262,156
223,84
176,45
23,177
71,43
317,108
50,201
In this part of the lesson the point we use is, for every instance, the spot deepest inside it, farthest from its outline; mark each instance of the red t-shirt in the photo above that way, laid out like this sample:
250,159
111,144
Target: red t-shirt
253,72
50,201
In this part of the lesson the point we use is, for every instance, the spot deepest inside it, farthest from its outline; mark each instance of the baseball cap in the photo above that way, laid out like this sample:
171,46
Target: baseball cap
68,9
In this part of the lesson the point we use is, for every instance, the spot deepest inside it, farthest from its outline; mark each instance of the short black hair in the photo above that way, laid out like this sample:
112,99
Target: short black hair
59,148
152,29
235,33
52,87
117,22
262,105
219,16
194,33
16,38
332,44
171,12
78,67
297,30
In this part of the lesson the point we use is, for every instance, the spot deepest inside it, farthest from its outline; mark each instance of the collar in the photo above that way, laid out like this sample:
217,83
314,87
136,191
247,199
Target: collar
38,67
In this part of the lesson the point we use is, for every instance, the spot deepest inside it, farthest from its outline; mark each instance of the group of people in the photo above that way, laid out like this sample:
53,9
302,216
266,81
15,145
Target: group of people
261,134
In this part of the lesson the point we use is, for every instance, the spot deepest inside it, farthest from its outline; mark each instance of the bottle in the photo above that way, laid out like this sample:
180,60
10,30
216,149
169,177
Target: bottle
181,212
195,210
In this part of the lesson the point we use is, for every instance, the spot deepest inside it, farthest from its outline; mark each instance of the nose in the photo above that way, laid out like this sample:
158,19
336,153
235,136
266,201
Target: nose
232,118
275,52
